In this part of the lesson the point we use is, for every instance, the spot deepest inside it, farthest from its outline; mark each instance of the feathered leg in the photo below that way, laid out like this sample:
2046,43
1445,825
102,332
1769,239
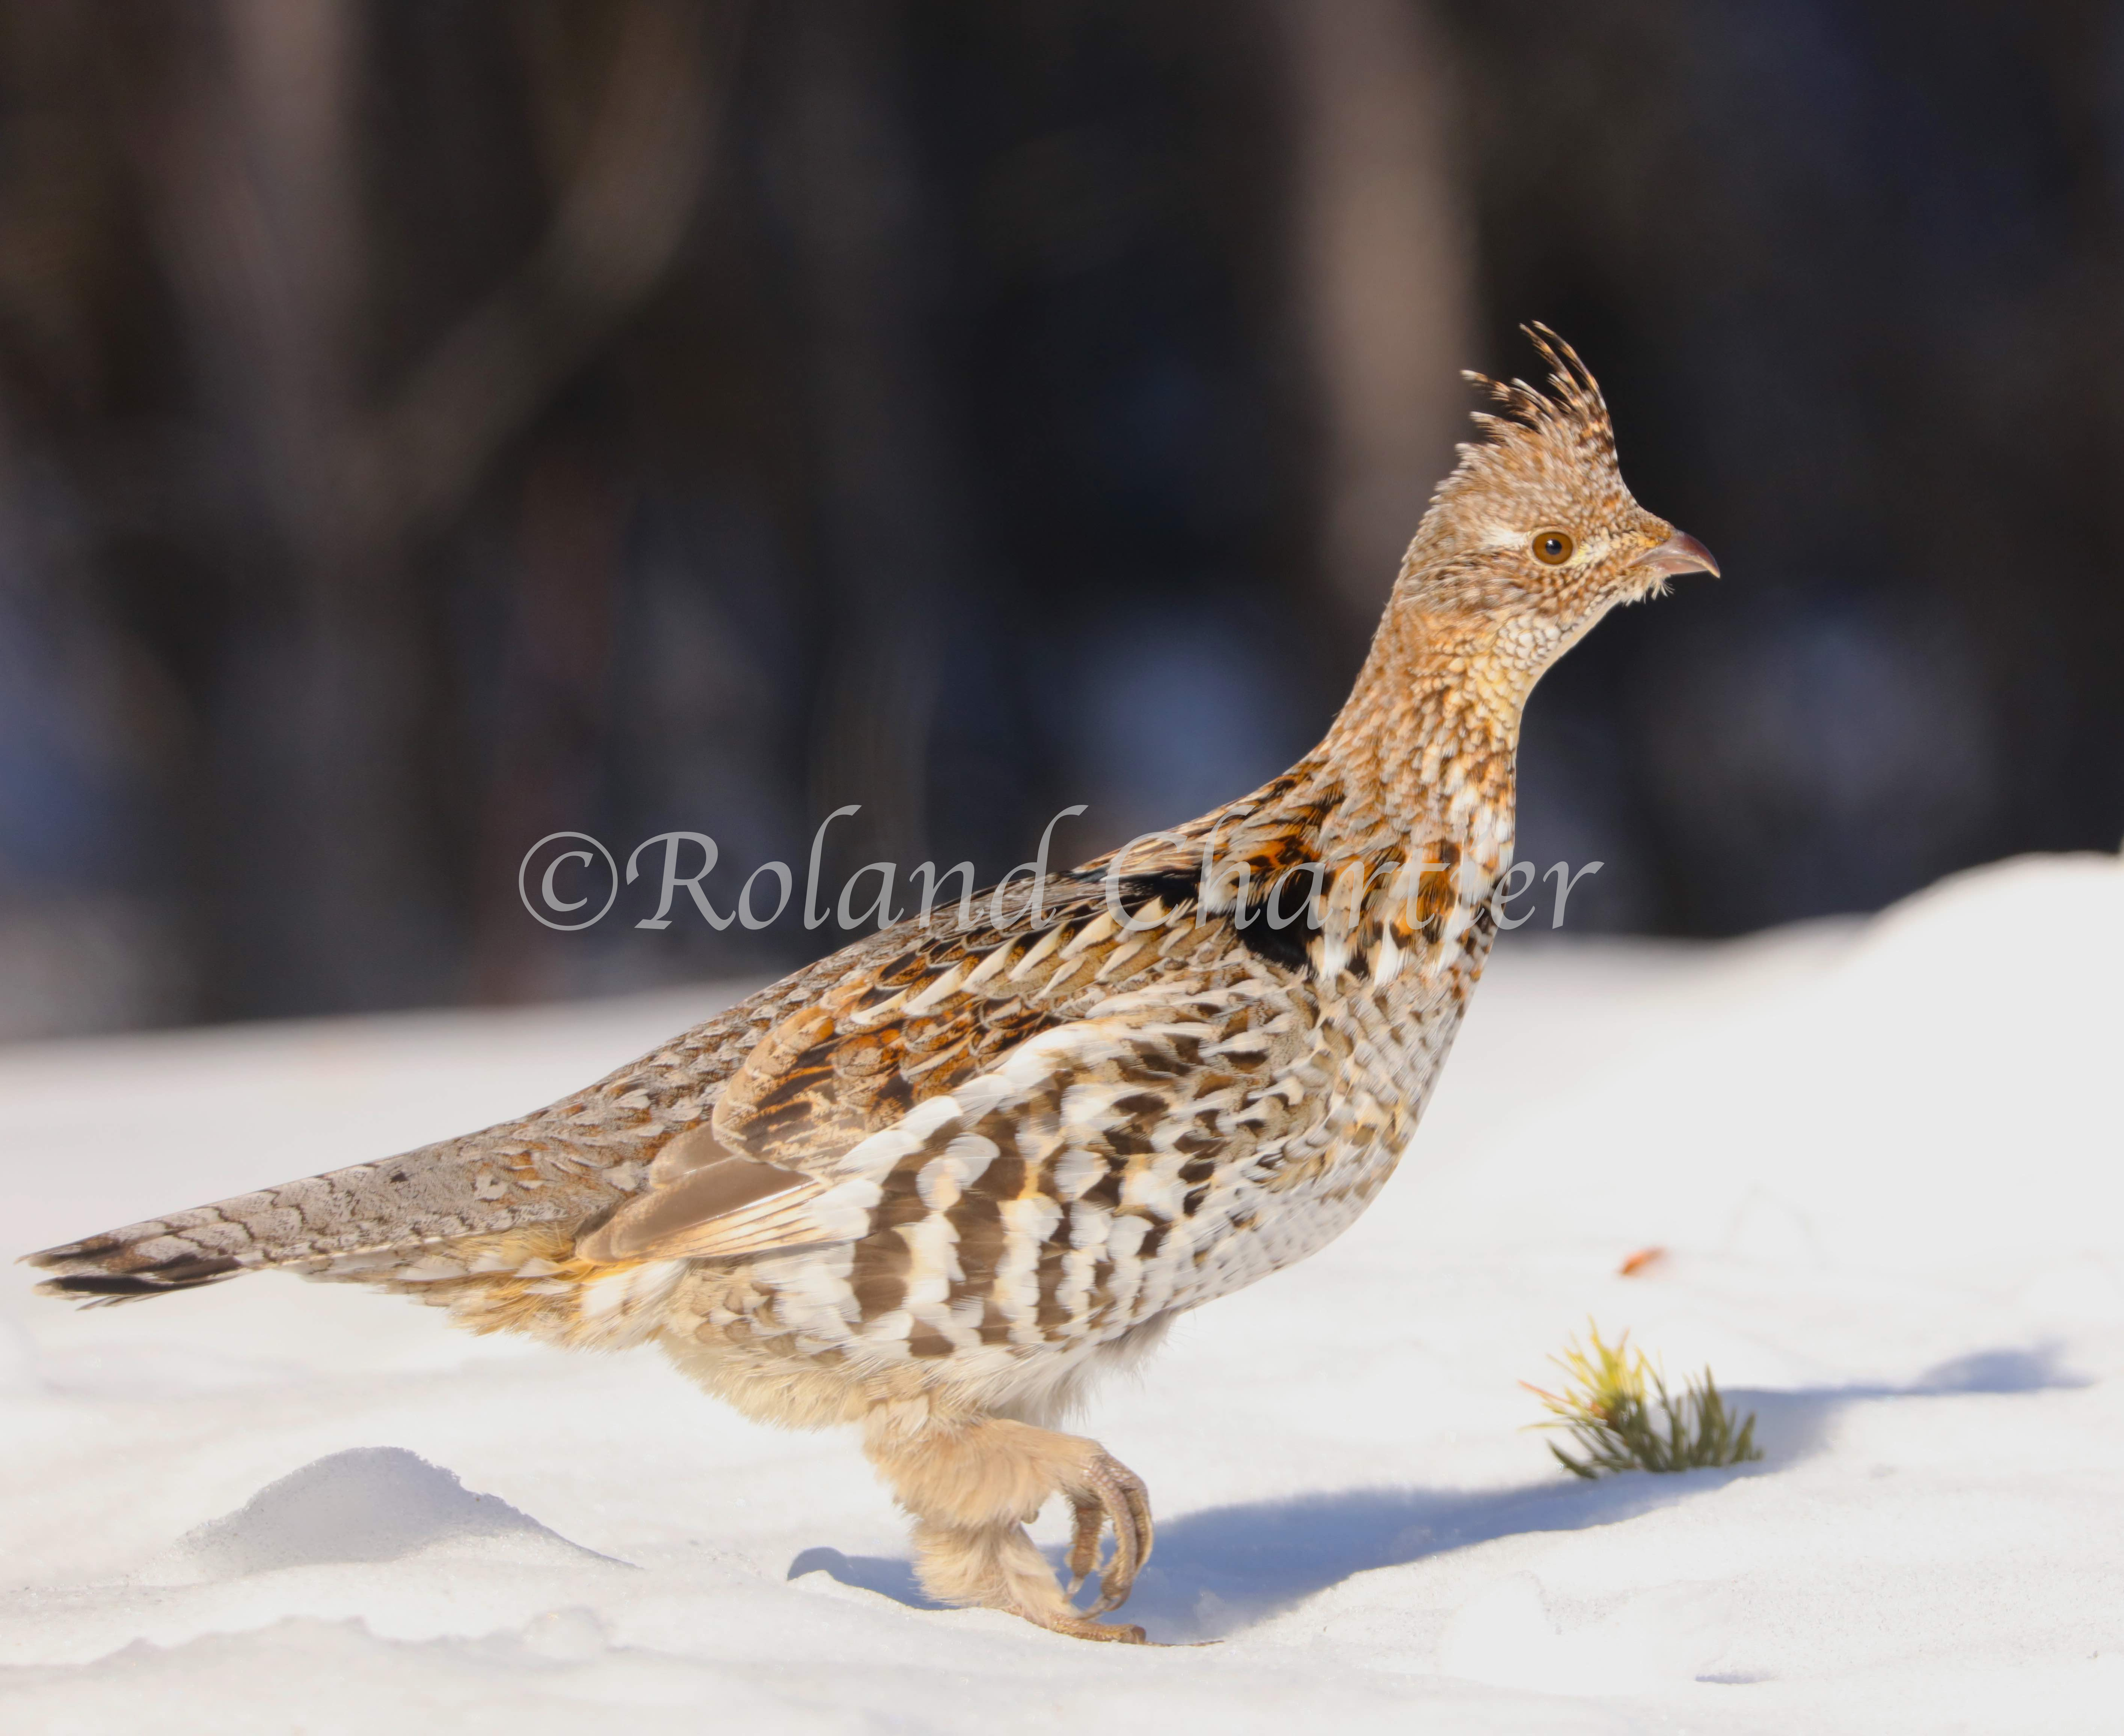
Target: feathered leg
972,1484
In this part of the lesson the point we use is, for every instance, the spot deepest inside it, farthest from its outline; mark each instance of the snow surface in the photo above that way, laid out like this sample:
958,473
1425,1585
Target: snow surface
1884,1160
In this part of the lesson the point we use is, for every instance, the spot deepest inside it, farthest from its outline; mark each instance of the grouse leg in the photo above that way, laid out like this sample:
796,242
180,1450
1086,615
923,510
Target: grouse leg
970,1485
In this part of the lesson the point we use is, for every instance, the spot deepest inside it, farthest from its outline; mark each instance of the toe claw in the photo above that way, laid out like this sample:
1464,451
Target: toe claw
1084,1628
1084,1558
1124,1503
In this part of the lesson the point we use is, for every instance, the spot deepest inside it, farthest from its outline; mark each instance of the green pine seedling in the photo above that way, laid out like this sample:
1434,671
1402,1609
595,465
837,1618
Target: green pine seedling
1616,1410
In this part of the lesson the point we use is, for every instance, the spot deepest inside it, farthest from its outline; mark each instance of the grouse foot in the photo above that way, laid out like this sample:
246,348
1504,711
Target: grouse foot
971,1486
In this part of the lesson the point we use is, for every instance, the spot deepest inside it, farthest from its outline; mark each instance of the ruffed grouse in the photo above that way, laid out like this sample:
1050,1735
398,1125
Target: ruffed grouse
933,1184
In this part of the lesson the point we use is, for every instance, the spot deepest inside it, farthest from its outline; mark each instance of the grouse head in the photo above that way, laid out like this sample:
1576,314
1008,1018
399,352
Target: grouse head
1534,536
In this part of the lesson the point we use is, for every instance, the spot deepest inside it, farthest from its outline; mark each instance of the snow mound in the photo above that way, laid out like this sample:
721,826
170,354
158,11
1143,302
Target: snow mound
369,1503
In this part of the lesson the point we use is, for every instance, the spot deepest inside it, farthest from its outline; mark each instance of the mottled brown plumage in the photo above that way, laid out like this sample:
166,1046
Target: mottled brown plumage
932,1184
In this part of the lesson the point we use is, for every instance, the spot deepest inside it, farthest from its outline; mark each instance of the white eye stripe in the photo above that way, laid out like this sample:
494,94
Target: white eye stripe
1518,539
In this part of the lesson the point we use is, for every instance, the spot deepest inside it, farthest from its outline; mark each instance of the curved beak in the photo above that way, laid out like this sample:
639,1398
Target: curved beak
1681,553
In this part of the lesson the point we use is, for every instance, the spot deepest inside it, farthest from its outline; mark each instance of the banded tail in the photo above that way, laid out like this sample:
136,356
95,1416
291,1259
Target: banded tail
506,1178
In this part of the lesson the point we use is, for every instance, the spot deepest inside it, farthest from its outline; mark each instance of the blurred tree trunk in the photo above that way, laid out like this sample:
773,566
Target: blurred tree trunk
254,175
1383,260
333,864
850,191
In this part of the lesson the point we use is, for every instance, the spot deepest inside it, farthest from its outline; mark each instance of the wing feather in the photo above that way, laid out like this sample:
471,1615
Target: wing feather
835,1088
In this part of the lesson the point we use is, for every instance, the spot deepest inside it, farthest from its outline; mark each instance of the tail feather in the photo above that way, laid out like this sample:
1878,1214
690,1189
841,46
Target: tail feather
101,1288
142,1259
480,1185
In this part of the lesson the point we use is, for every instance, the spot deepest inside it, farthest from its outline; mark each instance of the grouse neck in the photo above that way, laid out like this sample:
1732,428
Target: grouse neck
1423,747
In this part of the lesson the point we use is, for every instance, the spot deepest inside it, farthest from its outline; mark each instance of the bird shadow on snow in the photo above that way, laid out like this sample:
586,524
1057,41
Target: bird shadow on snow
1222,1570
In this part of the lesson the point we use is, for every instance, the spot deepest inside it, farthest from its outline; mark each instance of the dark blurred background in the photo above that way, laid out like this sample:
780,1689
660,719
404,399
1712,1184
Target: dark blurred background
425,425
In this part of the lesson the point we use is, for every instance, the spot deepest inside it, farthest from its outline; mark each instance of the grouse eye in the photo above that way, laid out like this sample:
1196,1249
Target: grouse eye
1552,547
